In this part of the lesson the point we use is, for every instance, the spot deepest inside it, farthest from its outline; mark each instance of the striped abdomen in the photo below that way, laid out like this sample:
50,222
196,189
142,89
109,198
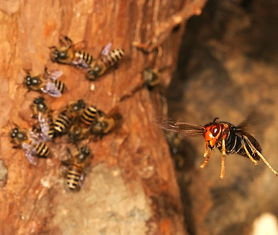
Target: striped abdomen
74,177
42,150
89,115
112,58
61,124
83,59
235,143
51,131
59,85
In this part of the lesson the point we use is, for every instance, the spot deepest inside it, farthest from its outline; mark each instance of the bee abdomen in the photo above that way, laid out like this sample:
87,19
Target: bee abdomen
74,178
61,124
42,150
84,57
60,85
51,132
89,115
113,57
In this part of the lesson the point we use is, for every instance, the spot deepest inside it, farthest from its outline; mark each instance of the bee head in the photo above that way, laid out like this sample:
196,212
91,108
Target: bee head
32,81
149,75
80,104
57,55
76,107
84,153
98,127
28,80
38,100
40,105
75,133
93,73
17,134
14,132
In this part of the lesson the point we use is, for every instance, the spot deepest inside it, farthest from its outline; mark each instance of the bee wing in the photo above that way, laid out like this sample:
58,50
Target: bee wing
182,128
30,153
44,126
55,74
106,49
79,62
51,89
34,136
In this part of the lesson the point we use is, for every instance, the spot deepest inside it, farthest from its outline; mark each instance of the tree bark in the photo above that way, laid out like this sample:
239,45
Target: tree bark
131,187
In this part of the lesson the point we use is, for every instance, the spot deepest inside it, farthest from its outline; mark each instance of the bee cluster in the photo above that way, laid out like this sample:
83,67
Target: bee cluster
78,121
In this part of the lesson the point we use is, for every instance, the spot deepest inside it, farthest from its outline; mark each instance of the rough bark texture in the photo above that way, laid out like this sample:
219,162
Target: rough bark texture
131,187
230,71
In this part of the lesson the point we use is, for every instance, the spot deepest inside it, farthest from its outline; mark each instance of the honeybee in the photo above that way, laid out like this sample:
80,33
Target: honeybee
151,78
46,83
76,165
104,62
228,138
68,53
44,116
67,116
30,143
105,123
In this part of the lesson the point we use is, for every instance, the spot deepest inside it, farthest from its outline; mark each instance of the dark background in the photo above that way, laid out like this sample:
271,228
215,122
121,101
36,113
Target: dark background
228,69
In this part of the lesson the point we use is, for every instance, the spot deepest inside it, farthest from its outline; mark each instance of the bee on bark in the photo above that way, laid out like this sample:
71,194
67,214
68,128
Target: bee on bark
76,164
30,143
43,115
68,116
104,124
104,62
47,83
151,78
228,138
69,53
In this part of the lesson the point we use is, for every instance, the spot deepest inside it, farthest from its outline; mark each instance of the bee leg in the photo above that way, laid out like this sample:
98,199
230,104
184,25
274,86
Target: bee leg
148,47
65,42
260,155
206,156
66,162
223,157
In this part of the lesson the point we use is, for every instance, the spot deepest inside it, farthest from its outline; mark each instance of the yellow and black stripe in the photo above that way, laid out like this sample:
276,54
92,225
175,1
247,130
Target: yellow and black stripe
112,58
74,178
60,85
42,150
89,115
51,131
84,57
61,124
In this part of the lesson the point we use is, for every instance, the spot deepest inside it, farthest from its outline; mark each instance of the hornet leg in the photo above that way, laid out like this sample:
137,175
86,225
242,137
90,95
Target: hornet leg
223,157
260,155
206,156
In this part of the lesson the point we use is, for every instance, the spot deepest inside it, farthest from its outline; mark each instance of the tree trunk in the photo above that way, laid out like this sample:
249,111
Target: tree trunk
131,185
